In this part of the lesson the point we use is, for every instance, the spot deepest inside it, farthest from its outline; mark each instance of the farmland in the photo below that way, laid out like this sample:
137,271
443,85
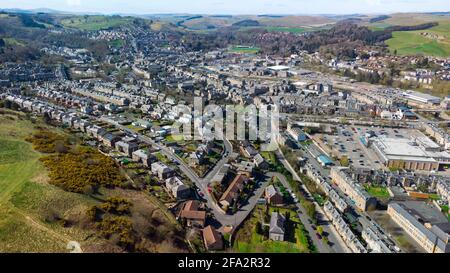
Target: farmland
93,23
434,41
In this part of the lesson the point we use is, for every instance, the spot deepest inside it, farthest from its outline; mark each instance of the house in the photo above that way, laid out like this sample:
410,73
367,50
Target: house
233,191
109,139
143,157
193,216
276,230
95,131
127,146
273,195
194,159
178,189
162,170
212,238
248,151
261,162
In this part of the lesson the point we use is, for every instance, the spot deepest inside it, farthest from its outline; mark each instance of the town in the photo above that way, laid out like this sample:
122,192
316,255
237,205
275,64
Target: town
359,166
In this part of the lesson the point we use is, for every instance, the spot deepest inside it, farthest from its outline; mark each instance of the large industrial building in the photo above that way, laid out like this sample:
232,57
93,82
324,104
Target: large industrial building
421,97
415,153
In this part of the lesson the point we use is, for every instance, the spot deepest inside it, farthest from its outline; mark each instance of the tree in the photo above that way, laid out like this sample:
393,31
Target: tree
344,161
319,230
47,119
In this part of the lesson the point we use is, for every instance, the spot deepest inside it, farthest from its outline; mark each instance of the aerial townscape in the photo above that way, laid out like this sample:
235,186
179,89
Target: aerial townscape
91,103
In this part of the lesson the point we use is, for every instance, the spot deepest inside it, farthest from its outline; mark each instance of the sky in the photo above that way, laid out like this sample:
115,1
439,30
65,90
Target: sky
233,7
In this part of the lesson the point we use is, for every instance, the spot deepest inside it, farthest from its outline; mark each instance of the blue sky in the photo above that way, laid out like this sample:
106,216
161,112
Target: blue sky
234,6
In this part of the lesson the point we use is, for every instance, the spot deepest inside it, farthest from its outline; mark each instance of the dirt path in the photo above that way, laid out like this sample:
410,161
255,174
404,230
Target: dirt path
71,244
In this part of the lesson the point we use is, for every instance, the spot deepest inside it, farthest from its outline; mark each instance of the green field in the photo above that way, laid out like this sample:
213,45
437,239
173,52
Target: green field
117,43
26,200
94,23
12,41
296,30
378,26
248,241
378,192
245,49
413,43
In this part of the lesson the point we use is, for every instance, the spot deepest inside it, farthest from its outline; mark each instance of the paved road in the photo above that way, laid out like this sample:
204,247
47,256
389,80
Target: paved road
337,244
303,216
221,218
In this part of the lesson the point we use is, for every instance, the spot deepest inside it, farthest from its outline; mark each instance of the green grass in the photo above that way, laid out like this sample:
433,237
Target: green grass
13,151
25,197
248,241
319,199
413,43
378,192
12,41
270,157
296,30
434,196
378,26
118,43
94,23
245,50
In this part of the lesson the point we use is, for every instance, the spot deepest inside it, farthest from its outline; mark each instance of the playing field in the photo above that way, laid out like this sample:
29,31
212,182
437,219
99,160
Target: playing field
431,42
245,49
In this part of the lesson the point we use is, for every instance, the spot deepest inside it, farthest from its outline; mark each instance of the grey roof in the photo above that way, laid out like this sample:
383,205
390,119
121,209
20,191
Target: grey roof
271,191
277,223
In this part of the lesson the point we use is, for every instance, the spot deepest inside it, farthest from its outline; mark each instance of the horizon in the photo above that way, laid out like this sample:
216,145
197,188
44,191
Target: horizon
231,7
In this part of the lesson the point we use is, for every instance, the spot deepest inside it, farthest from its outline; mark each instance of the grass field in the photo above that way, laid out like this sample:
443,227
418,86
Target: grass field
26,198
413,43
117,43
244,49
378,192
94,23
378,26
248,241
296,30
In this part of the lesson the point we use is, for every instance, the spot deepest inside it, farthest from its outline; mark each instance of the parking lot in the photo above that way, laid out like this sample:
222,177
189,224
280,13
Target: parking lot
347,142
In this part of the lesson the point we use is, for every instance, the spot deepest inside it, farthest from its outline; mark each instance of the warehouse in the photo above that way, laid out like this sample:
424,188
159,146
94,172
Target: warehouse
421,97
416,153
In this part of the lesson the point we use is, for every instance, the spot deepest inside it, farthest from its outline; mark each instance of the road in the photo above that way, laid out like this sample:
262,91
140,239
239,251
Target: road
221,218
337,244
303,216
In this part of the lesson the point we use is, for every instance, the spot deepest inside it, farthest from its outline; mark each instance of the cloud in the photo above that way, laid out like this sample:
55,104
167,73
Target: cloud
373,2
73,3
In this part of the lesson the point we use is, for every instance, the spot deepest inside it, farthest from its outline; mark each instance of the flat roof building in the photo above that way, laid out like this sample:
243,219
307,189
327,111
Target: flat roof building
419,153
421,97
